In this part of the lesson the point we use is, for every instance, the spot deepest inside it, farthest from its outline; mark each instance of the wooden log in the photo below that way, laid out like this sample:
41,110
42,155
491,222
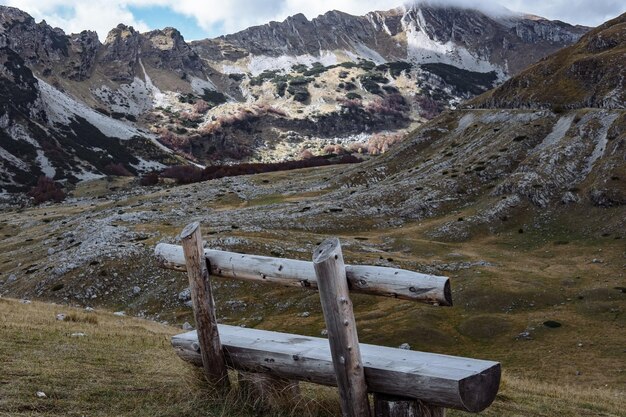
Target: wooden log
342,333
394,406
265,391
213,360
447,381
375,280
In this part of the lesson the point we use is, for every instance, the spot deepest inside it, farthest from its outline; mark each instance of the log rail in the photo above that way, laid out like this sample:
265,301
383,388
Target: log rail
365,279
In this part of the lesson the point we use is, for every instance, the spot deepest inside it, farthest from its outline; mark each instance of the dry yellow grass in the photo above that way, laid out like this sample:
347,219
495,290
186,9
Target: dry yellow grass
125,367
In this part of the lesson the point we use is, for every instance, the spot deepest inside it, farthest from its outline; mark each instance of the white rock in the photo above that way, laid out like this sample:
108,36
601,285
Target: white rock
187,326
90,309
136,290
60,316
185,294
405,346
119,313
78,334
41,394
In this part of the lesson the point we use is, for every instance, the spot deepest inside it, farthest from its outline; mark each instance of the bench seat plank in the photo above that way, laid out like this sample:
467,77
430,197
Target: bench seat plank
447,381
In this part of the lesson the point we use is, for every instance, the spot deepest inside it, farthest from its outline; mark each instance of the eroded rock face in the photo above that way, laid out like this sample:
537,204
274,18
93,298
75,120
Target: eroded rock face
509,42
120,53
166,49
48,50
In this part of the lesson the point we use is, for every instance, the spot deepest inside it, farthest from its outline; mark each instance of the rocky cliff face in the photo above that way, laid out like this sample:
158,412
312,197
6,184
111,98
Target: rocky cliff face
590,73
419,34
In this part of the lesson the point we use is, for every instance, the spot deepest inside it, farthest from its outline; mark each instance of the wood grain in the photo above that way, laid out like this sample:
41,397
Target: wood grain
342,333
375,280
442,380
208,338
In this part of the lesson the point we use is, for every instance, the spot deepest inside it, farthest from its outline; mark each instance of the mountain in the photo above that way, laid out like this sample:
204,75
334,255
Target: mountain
548,147
590,73
268,93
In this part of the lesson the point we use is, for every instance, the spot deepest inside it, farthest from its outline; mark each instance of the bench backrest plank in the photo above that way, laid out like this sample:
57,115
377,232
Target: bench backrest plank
375,280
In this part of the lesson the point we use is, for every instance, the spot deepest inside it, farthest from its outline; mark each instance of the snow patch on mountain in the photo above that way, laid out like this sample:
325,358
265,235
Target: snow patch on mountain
558,132
364,52
158,98
198,85
46,167
62,109
146,166
133,99
4,154
421,49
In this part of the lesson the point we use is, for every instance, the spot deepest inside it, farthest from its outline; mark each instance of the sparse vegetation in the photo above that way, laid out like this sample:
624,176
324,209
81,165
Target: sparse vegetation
46,190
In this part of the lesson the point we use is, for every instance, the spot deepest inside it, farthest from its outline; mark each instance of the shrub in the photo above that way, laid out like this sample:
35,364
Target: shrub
354,96
151,178
306,154
201,107
47,190
334,150
117,170
380,143
389,105
427,107
236,77
183,174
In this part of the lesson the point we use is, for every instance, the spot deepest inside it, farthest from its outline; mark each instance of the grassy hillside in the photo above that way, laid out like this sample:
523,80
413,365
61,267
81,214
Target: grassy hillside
125,367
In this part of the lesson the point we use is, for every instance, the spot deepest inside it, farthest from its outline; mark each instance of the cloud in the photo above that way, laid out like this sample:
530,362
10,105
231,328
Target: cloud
76,15
225,16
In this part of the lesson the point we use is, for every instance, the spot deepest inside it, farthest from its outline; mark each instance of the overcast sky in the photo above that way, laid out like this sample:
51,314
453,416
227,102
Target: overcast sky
198,19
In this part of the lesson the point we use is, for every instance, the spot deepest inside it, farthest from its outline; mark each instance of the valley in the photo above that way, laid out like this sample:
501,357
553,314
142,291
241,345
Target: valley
494,154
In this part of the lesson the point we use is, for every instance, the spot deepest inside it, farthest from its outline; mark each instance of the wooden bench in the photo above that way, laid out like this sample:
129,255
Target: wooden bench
405,383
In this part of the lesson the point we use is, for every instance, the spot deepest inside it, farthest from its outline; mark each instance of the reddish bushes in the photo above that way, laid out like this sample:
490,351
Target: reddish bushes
377,144
173,141
190,174
380,143
388,105
183,174
47,190
151,178
306,154
428,108
201,107
334,150
117,170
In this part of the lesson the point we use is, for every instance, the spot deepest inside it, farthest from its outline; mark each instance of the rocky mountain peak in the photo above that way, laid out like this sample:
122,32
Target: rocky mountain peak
120,32
11,15
166,39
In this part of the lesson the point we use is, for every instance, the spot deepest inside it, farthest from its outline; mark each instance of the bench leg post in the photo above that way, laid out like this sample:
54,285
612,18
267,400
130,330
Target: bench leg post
213,360
393,406
330,271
